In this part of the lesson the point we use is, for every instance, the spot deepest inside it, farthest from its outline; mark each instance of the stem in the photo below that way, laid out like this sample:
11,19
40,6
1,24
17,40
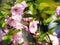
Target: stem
49,39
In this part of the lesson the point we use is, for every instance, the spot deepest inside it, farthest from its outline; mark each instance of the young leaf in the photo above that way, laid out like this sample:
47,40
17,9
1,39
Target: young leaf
41,38
7,39
18,1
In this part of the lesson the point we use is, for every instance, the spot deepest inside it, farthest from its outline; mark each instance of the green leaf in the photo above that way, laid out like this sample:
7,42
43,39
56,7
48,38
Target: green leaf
18,1
10,3
28,15
49,12
40,1
1,5
43,6
13,31
3,13
0,24
7,39
57,21
31,8
2,18
48,20
26,9
4,24
50,31
41,38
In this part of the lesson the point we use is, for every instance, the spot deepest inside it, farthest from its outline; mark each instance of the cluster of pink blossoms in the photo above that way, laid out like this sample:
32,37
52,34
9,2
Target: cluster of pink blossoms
16,19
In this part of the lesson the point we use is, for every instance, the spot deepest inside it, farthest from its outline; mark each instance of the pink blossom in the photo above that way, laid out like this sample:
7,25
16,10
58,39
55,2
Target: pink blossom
18,8
6,30
33,27
25,27
19,26
18,37
58,11
27,19
14,23
11,21
24,4
18,18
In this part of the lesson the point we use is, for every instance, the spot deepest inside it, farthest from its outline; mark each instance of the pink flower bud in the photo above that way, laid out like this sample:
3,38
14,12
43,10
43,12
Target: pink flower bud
58,11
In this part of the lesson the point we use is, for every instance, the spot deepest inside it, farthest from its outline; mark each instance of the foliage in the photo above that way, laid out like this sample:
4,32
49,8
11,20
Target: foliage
42,10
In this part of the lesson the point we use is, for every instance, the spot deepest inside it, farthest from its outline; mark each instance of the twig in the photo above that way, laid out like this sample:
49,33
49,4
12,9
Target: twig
49,39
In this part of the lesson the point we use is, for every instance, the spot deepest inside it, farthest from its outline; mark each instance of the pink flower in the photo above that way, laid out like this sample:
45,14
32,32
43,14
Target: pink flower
18,38
19,26
24,4
18,18
27,19
25,27
58,11
33,27
6,30
18,8
14,23
11,21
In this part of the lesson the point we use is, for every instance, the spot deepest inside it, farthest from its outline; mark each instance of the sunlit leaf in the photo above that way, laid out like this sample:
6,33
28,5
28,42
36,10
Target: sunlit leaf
43,5
7,39
12,31
18,1
41,38
57,21
4,24
31,8
47,21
